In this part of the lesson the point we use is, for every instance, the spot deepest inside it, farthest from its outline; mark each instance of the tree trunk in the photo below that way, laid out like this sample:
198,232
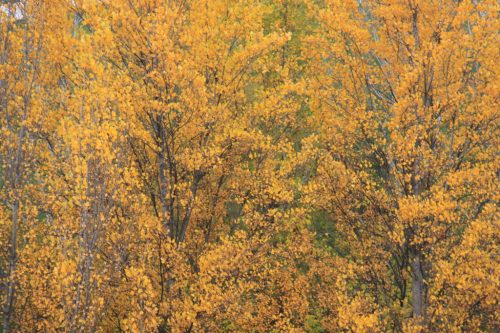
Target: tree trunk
418,288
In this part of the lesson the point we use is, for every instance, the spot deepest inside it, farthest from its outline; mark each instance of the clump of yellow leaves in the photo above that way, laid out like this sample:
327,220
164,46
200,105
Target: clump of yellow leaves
249,166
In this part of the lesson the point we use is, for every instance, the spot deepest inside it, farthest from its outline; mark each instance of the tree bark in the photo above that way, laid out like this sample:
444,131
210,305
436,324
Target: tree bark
419,291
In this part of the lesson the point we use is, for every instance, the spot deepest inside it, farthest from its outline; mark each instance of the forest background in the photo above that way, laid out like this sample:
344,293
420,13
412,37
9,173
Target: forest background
249,166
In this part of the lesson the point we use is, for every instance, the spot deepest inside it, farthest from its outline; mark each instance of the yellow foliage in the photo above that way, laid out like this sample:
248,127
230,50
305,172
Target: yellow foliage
249,166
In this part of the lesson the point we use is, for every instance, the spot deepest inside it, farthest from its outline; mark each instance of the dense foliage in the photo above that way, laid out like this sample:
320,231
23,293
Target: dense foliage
249,166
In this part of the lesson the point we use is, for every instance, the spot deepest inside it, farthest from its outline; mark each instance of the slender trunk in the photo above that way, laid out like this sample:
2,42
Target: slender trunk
12,268
16,179
166,214
187,217
418,288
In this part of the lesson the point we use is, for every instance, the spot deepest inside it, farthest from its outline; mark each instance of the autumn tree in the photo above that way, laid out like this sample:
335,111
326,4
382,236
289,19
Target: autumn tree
405,99
22,39
166,143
